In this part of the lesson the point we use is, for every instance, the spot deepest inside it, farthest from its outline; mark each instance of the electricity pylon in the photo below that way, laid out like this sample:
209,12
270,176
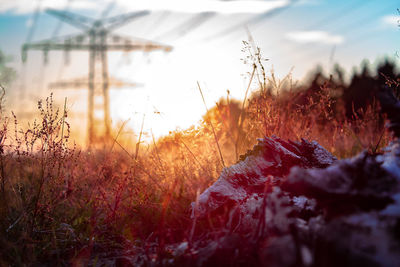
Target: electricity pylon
97,38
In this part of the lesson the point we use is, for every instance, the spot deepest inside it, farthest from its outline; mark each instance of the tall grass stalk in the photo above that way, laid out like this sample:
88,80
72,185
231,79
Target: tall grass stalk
212,127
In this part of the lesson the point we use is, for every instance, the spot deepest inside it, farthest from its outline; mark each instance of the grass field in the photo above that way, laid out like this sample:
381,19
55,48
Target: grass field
62,205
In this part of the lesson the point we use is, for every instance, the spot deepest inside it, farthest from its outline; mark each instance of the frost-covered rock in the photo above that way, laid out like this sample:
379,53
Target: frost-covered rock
294,204
350,185
259,170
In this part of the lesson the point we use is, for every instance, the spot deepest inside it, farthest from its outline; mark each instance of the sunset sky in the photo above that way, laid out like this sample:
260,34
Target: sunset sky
206,36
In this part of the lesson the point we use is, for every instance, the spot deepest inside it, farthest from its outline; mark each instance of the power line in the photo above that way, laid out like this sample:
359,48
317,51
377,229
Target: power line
157,22
189,25
108,9
33,20
334,16
254,20
56,31
58,27
97,39
343,12
347,28
348,9
125,57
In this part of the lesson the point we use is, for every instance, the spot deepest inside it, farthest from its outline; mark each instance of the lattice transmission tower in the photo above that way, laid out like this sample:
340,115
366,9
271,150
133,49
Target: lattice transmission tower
97,38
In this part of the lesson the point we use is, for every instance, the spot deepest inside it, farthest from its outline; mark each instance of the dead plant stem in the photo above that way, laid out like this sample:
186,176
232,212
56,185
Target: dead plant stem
212,127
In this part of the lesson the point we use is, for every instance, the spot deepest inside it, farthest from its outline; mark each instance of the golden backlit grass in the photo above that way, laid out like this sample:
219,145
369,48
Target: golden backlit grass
60,205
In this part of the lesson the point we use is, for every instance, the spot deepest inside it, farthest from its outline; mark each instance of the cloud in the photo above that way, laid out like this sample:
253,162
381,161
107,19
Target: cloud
184,6
28,6
393,20
321,37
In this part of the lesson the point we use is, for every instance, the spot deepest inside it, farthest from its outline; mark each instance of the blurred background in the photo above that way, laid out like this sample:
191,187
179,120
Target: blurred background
159,49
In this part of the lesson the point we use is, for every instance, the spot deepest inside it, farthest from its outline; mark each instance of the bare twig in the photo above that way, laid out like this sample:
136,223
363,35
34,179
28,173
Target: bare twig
3,92
191,153
241,119
63,120
158,154
212,127
119,132
140,167
140,139
245,95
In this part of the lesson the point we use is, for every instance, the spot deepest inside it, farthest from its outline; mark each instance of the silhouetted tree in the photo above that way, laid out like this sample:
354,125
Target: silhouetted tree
361,91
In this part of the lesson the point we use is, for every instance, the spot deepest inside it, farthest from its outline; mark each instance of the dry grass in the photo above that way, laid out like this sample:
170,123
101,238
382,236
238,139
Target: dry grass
59,205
